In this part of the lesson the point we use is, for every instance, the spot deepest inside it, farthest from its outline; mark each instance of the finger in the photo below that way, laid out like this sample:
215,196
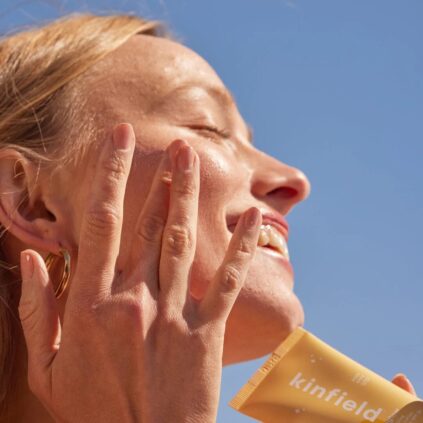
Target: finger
151,222
102,221
223,291
403,382
40,320
179,237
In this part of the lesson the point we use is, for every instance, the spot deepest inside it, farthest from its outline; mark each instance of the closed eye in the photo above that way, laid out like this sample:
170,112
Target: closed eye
224,133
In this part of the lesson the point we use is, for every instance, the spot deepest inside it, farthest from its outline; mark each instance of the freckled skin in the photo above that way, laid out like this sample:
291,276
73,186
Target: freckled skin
141,83
137,84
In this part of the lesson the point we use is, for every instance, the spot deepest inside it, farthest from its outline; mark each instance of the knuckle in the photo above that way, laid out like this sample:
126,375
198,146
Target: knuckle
186,187
131,312
102,219
179,240
114,166
169,318
201,339
88,312
83,306
245,249
151,228
231,279
113,313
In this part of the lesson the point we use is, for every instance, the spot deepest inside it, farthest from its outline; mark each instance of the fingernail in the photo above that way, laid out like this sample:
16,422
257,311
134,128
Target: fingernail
166,175
27,265
185,158
252,217
122,136
408,380
173,149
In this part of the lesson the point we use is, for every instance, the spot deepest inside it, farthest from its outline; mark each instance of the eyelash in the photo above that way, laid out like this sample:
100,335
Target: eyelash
221,132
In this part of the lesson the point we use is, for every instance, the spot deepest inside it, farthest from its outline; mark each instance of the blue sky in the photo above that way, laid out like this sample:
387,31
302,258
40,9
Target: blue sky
336,89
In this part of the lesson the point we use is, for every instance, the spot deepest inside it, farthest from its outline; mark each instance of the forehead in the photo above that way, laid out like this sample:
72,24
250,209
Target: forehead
145,70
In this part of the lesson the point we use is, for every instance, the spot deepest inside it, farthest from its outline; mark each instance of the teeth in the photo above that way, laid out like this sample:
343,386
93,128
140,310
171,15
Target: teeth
270,236
263,237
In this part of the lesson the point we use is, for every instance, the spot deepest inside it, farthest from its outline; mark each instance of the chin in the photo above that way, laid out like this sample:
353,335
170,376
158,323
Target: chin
262,317
265,312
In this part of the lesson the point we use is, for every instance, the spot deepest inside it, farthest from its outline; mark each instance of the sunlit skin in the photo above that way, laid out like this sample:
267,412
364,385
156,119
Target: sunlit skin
168,92
161,88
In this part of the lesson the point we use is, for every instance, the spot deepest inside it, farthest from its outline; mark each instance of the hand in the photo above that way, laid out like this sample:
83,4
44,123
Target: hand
134,345
402,381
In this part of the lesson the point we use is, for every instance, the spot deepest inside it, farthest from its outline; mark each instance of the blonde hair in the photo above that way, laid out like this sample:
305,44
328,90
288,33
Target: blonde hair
40,71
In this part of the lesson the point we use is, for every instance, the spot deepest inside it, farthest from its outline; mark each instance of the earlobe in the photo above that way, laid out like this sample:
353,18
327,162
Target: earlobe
23,212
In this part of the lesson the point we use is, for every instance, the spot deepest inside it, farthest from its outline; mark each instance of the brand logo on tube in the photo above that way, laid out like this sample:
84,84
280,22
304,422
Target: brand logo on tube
335,396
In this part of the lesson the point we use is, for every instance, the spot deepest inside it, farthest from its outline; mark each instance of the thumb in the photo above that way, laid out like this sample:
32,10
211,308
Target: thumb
39,316
403,382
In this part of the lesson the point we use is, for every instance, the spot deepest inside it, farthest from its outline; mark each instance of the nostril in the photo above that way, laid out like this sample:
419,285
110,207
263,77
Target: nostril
286,193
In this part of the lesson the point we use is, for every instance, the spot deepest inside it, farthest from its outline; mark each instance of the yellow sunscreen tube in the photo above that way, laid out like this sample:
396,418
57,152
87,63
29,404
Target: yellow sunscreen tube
411,413
307,381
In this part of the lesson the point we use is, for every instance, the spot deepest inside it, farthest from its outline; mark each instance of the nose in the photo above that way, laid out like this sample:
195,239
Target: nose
279,185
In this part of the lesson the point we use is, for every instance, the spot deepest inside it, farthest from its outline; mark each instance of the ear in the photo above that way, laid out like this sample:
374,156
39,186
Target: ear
23,210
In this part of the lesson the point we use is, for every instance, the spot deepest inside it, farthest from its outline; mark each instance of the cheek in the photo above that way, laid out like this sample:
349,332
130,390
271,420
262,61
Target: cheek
217,186
221,181
218,179
211,247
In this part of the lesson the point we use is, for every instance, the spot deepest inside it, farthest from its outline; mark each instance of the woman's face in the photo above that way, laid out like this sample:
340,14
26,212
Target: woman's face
168,92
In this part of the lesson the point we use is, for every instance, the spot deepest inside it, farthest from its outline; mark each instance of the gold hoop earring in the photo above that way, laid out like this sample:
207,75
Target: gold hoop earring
66,271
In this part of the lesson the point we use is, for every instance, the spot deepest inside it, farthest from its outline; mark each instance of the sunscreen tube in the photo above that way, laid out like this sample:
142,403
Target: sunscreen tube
411,413
307,381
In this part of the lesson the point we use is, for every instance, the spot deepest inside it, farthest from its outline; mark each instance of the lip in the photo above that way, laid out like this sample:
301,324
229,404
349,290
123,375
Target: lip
279,223
268,218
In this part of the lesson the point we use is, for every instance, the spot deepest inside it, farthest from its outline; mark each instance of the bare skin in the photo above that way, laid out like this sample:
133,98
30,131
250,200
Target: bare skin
141,372
145,301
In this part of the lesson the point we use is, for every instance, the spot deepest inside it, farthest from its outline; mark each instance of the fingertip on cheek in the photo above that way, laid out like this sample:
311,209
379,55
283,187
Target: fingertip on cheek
173,148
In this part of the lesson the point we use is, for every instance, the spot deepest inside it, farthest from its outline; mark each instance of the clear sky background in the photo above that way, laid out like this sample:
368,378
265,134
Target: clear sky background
336,89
